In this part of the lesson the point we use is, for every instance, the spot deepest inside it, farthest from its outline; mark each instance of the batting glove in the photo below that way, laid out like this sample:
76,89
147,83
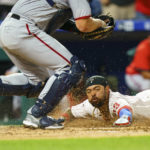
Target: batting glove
124,120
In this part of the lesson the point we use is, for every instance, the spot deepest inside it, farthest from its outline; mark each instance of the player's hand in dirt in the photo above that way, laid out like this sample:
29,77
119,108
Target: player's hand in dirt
122,121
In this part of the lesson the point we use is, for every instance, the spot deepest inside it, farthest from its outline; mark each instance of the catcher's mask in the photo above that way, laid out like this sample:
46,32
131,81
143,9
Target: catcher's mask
96,80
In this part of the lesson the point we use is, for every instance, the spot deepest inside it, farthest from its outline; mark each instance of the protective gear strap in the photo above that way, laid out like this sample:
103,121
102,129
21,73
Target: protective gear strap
126,112
58,20
70,26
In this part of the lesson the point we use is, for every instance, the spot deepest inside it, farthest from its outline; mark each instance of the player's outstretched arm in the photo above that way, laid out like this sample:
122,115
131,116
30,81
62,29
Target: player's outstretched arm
67,115
125,118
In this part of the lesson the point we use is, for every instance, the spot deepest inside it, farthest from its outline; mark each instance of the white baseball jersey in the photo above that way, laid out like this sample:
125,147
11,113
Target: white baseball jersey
138,104
136,82
35,53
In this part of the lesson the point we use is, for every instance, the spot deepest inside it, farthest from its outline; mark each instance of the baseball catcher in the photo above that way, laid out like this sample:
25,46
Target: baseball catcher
48,69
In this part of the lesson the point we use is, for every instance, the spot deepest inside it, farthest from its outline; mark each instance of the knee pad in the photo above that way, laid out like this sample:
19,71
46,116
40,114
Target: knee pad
61,85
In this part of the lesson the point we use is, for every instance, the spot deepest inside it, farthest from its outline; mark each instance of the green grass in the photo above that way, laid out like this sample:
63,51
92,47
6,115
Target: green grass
122,143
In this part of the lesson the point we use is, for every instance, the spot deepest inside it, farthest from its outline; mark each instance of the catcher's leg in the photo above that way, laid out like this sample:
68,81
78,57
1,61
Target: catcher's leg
18,84
56,87
49,54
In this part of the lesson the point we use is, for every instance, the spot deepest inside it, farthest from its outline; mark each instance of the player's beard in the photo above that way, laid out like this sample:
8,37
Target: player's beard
98,102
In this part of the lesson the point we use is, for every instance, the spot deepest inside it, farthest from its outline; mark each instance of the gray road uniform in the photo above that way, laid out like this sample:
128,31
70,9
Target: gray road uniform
38,55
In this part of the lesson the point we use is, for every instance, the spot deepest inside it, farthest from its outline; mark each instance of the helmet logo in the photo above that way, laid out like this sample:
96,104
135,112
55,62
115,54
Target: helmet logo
91,80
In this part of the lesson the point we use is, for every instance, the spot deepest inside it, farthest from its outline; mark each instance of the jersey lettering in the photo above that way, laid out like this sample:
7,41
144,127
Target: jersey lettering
115,107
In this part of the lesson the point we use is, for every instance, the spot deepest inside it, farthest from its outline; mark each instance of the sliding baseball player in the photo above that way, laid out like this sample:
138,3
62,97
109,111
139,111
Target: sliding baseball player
103,104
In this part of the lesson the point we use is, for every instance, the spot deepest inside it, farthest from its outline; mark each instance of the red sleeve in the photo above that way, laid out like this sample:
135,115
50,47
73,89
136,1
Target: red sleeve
143,6
120,104
80,9
142,56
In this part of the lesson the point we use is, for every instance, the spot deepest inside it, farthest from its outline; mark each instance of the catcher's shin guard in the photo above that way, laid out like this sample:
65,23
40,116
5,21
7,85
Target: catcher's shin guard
28,90
60,86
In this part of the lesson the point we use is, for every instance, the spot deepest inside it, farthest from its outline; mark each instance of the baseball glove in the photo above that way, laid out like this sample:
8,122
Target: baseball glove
123,121
102,32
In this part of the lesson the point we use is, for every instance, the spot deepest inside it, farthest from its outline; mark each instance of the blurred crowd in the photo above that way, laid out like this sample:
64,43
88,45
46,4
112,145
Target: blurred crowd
127,9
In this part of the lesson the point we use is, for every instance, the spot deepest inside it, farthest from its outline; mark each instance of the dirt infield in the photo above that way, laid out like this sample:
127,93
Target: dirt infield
76,129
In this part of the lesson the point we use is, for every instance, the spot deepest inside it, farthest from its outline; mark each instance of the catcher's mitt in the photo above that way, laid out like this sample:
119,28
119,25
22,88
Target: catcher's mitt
101,32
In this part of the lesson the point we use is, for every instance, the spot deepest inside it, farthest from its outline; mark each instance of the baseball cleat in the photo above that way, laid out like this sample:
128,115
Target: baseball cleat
53,127
46,122
31,122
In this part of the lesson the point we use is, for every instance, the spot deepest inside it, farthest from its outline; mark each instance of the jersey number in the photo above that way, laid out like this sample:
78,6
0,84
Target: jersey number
115,107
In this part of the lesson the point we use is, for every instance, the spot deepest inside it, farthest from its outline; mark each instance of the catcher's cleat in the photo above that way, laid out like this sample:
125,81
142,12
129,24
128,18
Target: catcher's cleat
42,122
31,122
50,123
